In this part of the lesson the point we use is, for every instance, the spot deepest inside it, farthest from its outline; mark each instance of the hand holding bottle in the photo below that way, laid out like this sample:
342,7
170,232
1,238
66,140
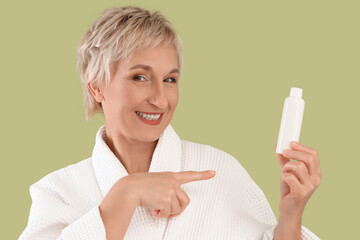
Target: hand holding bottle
299,180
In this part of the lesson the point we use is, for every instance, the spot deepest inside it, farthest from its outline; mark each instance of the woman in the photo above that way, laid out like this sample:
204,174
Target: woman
142,181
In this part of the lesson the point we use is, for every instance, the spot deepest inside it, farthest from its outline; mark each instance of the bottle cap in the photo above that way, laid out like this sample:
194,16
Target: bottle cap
296,92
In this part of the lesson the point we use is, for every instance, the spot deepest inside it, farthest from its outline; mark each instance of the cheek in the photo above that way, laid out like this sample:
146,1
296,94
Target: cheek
132,98
174,98
120,100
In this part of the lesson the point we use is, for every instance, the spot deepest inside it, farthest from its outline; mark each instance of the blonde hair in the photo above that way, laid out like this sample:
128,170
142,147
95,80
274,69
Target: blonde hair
117,34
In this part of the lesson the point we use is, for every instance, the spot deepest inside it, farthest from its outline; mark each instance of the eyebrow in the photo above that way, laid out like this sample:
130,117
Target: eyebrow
148,68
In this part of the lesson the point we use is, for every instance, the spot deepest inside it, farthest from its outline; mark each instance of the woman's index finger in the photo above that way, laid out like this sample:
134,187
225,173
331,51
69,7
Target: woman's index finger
190,176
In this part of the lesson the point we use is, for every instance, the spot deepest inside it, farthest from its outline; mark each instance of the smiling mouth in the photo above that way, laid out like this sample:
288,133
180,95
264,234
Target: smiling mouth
151,117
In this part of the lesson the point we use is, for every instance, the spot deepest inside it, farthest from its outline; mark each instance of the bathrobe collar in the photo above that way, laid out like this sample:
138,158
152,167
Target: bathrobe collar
108,168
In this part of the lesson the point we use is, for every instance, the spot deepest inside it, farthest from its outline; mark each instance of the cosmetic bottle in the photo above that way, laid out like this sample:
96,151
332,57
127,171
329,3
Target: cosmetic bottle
291,120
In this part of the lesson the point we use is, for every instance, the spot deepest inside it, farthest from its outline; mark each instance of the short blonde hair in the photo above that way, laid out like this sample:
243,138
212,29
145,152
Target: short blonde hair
117,34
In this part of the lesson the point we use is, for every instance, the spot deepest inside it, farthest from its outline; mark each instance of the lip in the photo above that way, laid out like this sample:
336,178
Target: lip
150,122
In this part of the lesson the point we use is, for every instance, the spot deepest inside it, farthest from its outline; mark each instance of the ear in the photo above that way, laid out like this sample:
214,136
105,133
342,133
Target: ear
96,93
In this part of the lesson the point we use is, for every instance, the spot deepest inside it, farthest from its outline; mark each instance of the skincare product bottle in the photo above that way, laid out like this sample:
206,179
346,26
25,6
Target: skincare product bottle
291,120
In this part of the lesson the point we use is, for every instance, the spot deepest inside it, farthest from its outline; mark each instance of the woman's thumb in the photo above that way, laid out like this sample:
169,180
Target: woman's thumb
281,159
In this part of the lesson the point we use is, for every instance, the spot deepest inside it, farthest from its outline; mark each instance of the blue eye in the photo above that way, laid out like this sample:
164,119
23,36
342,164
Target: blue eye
173,80
136,77
139,77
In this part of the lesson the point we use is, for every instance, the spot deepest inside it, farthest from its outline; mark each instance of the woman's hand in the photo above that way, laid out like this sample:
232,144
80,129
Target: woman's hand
299,180
161,192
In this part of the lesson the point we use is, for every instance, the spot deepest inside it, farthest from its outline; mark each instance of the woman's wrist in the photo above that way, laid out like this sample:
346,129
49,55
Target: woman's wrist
288,227
116,210
130,191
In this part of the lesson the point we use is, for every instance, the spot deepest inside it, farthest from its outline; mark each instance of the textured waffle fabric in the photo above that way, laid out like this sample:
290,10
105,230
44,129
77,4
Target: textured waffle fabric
228,206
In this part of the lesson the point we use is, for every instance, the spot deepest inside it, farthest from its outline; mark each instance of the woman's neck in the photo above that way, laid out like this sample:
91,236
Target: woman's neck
134,155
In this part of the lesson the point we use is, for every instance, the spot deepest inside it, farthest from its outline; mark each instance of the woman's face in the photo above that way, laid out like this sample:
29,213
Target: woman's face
146,83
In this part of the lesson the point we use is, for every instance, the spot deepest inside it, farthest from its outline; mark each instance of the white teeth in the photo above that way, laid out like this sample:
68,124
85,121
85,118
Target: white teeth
149,116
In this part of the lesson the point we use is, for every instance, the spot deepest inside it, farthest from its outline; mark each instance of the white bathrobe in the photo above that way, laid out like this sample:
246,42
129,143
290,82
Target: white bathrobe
228,206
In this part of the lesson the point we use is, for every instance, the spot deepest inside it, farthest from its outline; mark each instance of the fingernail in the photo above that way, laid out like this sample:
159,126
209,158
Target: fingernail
212,172
294,143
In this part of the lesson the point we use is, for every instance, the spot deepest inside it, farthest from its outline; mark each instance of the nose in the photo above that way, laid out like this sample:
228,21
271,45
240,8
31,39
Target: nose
158,97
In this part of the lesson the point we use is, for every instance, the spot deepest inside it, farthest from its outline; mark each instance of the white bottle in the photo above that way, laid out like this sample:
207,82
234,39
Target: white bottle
291,120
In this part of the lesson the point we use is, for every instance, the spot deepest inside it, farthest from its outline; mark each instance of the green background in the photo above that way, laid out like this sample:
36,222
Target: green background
240,60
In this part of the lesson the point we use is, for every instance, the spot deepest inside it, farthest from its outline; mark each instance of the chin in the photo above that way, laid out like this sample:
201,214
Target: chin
149,138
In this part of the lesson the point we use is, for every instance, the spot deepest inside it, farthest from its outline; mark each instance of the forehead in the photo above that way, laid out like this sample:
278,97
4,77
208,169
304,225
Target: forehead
159,57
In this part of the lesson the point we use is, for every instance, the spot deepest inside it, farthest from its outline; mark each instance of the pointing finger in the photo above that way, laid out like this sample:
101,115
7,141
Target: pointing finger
189,176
